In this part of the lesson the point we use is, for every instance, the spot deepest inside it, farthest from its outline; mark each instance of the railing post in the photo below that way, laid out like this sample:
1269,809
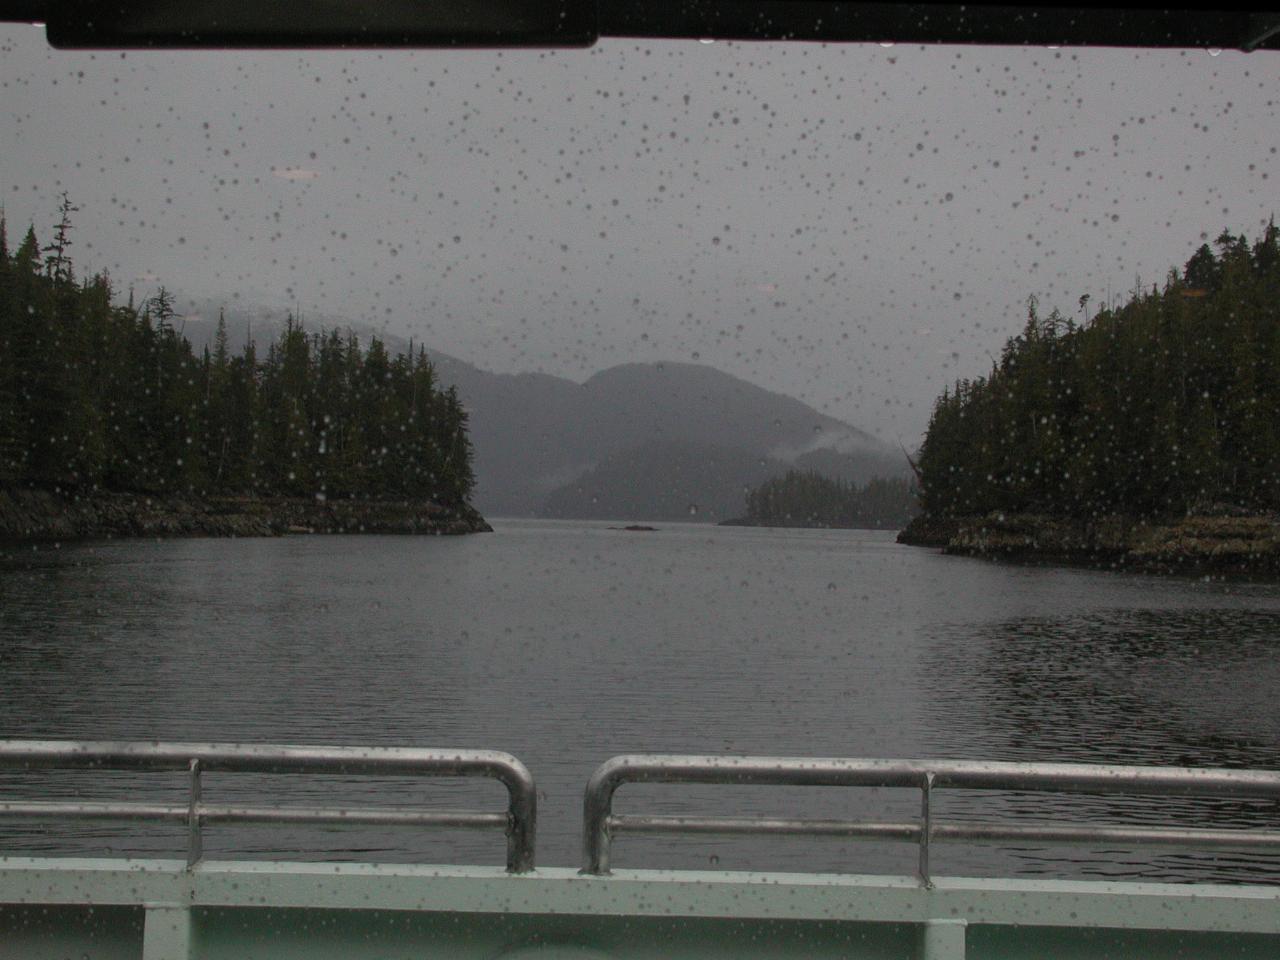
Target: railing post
195,845
596,841
522,818
926,829
597,807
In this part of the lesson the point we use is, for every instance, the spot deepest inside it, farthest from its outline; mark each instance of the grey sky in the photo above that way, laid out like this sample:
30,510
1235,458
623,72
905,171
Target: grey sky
855,226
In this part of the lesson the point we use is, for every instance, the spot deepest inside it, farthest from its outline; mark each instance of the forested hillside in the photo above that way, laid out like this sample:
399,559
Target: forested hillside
807,499
95,395
1167,405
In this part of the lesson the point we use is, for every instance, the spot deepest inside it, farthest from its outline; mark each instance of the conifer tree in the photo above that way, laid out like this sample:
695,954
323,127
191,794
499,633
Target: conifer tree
1166,404
95,395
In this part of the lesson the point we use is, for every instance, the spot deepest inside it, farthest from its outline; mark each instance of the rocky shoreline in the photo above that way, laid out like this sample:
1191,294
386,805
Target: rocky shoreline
1198,544
39,515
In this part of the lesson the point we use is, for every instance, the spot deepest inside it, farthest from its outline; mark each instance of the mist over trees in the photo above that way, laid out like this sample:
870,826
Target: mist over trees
97,395
808,499
1166,405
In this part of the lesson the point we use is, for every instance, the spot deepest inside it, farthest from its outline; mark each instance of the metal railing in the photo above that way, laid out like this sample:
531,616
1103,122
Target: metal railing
600,823
195,759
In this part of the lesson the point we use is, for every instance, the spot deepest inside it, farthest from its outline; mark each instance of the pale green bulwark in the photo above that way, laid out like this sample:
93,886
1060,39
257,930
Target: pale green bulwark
161,910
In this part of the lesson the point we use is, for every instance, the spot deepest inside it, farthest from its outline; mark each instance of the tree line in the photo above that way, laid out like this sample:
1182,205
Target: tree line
1164,405
98,395
808,499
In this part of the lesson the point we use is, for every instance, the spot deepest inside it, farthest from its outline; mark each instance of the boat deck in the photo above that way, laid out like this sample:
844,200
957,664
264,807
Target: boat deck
163,910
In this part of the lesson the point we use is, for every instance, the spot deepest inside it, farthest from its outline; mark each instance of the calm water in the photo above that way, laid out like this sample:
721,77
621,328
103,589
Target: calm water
568,643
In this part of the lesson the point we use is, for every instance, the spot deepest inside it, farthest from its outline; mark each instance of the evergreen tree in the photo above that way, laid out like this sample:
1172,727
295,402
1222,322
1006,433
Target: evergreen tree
97,395
58,262
12,435
808,499
1167,404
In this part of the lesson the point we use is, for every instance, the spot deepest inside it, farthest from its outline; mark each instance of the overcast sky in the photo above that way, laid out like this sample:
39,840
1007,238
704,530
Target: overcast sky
855,226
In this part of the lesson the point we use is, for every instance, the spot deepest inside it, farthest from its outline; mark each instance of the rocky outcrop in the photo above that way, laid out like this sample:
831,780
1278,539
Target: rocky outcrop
924,531
31,515
1219,543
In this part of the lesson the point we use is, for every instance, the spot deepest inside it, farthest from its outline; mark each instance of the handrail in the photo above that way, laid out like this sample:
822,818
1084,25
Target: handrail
600,823
519,821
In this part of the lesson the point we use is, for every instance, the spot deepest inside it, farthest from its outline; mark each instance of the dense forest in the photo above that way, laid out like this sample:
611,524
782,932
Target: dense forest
807,499
1166,405
100,396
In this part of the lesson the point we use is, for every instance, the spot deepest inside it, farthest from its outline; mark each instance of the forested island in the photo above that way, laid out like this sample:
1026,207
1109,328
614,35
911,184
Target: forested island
110,424
1147,435
804,498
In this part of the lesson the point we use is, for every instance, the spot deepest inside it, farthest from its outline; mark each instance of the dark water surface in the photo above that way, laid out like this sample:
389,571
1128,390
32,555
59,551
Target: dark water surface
568,643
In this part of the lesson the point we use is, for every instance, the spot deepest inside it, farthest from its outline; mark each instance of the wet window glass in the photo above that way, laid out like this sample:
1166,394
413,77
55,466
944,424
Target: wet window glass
869,401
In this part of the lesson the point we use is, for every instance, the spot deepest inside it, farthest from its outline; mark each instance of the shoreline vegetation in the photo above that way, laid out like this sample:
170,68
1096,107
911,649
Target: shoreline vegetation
40,516
1145,437
111,425
805,499
1199,545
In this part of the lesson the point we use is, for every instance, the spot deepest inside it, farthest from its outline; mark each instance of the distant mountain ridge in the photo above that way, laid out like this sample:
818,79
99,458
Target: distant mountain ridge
640,440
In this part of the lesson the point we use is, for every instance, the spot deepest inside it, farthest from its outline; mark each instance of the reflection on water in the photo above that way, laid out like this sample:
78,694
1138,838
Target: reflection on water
1186,687
568,643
